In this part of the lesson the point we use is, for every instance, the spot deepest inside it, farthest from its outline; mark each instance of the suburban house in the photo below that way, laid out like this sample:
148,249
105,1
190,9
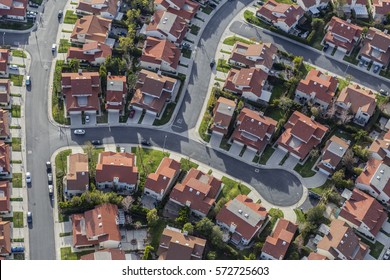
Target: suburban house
376,47
185,9
315,257
5,238
159,183
81,91
91,29
256,55
222,116
313,6
249,83
375,180
282,16
380,8
4,57
253,129
198,191
5,133
358,6
301,135
117,171
116,95
242,218
104,8
332,155
317,88
94,53
276,245
5,161
341,243
5,195
175,245
380,149
363,213
342,34
97,227
357,100
167,26
13,9
153,92
77,179
5,97
160,55
105,255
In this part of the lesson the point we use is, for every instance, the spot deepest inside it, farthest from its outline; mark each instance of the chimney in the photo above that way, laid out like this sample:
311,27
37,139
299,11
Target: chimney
261,113
109,74
80,71
312,118
185,233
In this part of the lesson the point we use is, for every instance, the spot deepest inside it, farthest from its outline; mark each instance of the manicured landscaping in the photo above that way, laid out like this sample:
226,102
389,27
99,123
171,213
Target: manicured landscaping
64,46
321,190
278,91
62,218
16,144
17,180
70,17
305,170
207,10
66,31
19,53
284,159
204,125
67,254
169,109
275,113
194,29
18,219
276,213
155,233
223,66
57,102
285,1
14,127
15,111
233,39
300,216
186,53
375,248
232,188
61,161
267,153
17,80
352,58
63,234
226,52
16,199
187,164
225,144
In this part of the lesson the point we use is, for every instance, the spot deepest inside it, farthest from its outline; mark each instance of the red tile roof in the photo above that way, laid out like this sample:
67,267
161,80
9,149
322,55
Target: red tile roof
157,51
174,245
121,165
333,153
5,204
107,254
4,56
316,257
17,8
363,208
91,6
116,92
90,52
279,12
77,178
184,8
251,79
247,216
161,179
381,147
253,129
376,46
263,52
94,28
277,244
342,33
5,86
5,237
5,161
4,124
199,189
359,98
223,114
167,23
381,7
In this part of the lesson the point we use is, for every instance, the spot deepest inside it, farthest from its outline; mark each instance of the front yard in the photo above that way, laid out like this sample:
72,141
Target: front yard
223,66
232,188
194,29
64,46
67,254
17,80
18,220
70,17
15,111
16,144
17,180
230,41
267,153
187,164
19,53
305,170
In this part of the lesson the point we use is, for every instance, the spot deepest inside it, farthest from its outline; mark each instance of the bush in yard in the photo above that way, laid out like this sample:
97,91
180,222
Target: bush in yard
148,253
212,255
362,153
204,227
189,228
357,171
152,217
184,216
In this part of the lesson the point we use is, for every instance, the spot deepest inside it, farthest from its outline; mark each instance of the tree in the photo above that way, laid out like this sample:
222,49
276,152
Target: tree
315,215
339,5
315,111
126,42
189,228
132,80
348,159
216,237
89,150
115,66
204,227
345,117
127,202
251,256
359,135
184,216
152,217
388,18
132,16
212,255
330,113
74,64
285,103
148,253
338,177
318,24
314,153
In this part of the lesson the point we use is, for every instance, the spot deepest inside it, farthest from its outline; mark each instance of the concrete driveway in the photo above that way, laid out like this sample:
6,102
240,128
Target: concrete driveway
249,155
386,226
276,157
235,149
339,54
215,140
290,162
75,121
148,119
113,117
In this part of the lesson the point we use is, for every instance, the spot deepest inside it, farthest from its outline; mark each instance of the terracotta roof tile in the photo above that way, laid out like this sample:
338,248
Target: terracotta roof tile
5,237
157,51
4,57
93,27
223,114
251,79
106,254
5,194
77,177
167,23
5,161
165,173
264,54
376,46
5,86
90,52
358,97
271,10
342,33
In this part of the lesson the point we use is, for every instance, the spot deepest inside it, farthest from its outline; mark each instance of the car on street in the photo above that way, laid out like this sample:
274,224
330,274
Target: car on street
376,68
17,249
28,177
28,80
212,5
326,47
29,217
48,166
14,67
32,4
212,63
146,142
96,142
60,13
50,187
87,119
79,131
383,92
386,256
131,113
186,45
50,178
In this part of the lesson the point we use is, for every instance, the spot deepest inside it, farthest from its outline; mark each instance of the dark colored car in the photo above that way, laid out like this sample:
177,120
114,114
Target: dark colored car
146,142
60,13
32,4
132,113
326,46
376,68
96,142
261,3
48,166
212,5
212,63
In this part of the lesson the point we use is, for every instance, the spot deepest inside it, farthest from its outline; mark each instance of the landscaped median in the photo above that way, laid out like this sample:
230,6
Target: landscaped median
70,17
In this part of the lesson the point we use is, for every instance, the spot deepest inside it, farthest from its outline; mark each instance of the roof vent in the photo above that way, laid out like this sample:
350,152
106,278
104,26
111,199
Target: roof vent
100,224
346,235
83,173
378,177
321,86
165,177
259,123
342,242
229,108
284,242
99,216
382,171
198,193
315,83
111,82
252,120
240,211
341,148
191,189
246,215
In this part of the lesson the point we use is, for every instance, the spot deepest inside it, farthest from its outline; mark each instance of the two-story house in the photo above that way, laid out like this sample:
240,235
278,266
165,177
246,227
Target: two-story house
253,129
97,228
358,6
341,243
185,9
380,8
160,55
376,48
13,9
380,149
153,92
5,160
198,191
159,183
116,95
5,238
256,55
342,34
358,101
317,88
313,6
363,213
5,133
222,116
76,181
167,26
5,96
5,195
332,155
301,135
4,59
249,83
91,29
375,180
242,218
280,15
105,254
94,53
104,8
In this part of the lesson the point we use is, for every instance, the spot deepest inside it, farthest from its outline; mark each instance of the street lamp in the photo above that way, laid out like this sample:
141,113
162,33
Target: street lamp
165,139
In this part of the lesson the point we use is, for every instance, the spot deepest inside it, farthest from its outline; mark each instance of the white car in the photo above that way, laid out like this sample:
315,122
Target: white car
79,131
28,177
14,67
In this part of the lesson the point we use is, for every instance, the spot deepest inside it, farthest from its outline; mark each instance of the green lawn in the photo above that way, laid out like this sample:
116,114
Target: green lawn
61,161
15,111
223,66
70,17
66,31
284,159
67,254
322,189
300,216
375,248
16,144
57,103
18,53
155,233
305,169
352,58
267,153
17,80
186,53
233,39
64,46
276,213
187,164
203,128
63,234
285,1
225,144
342,84
226,52
343,134
169,109
194,29
207,10
18,220
385,73
17,180
148,159
232,188
275,113
278,91
16,199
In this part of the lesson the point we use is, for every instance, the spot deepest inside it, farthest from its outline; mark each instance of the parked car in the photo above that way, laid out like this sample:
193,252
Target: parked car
28,80
87,119
50,187
50,178
383,92
14,67
386,256
146,142
48,166
53,48
131,113
326,46
79,131
376,68
96,142
32,4
60,13
212,5
29,217
17,249
186,45
261,3
28,177
212,63
361,63
366,63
